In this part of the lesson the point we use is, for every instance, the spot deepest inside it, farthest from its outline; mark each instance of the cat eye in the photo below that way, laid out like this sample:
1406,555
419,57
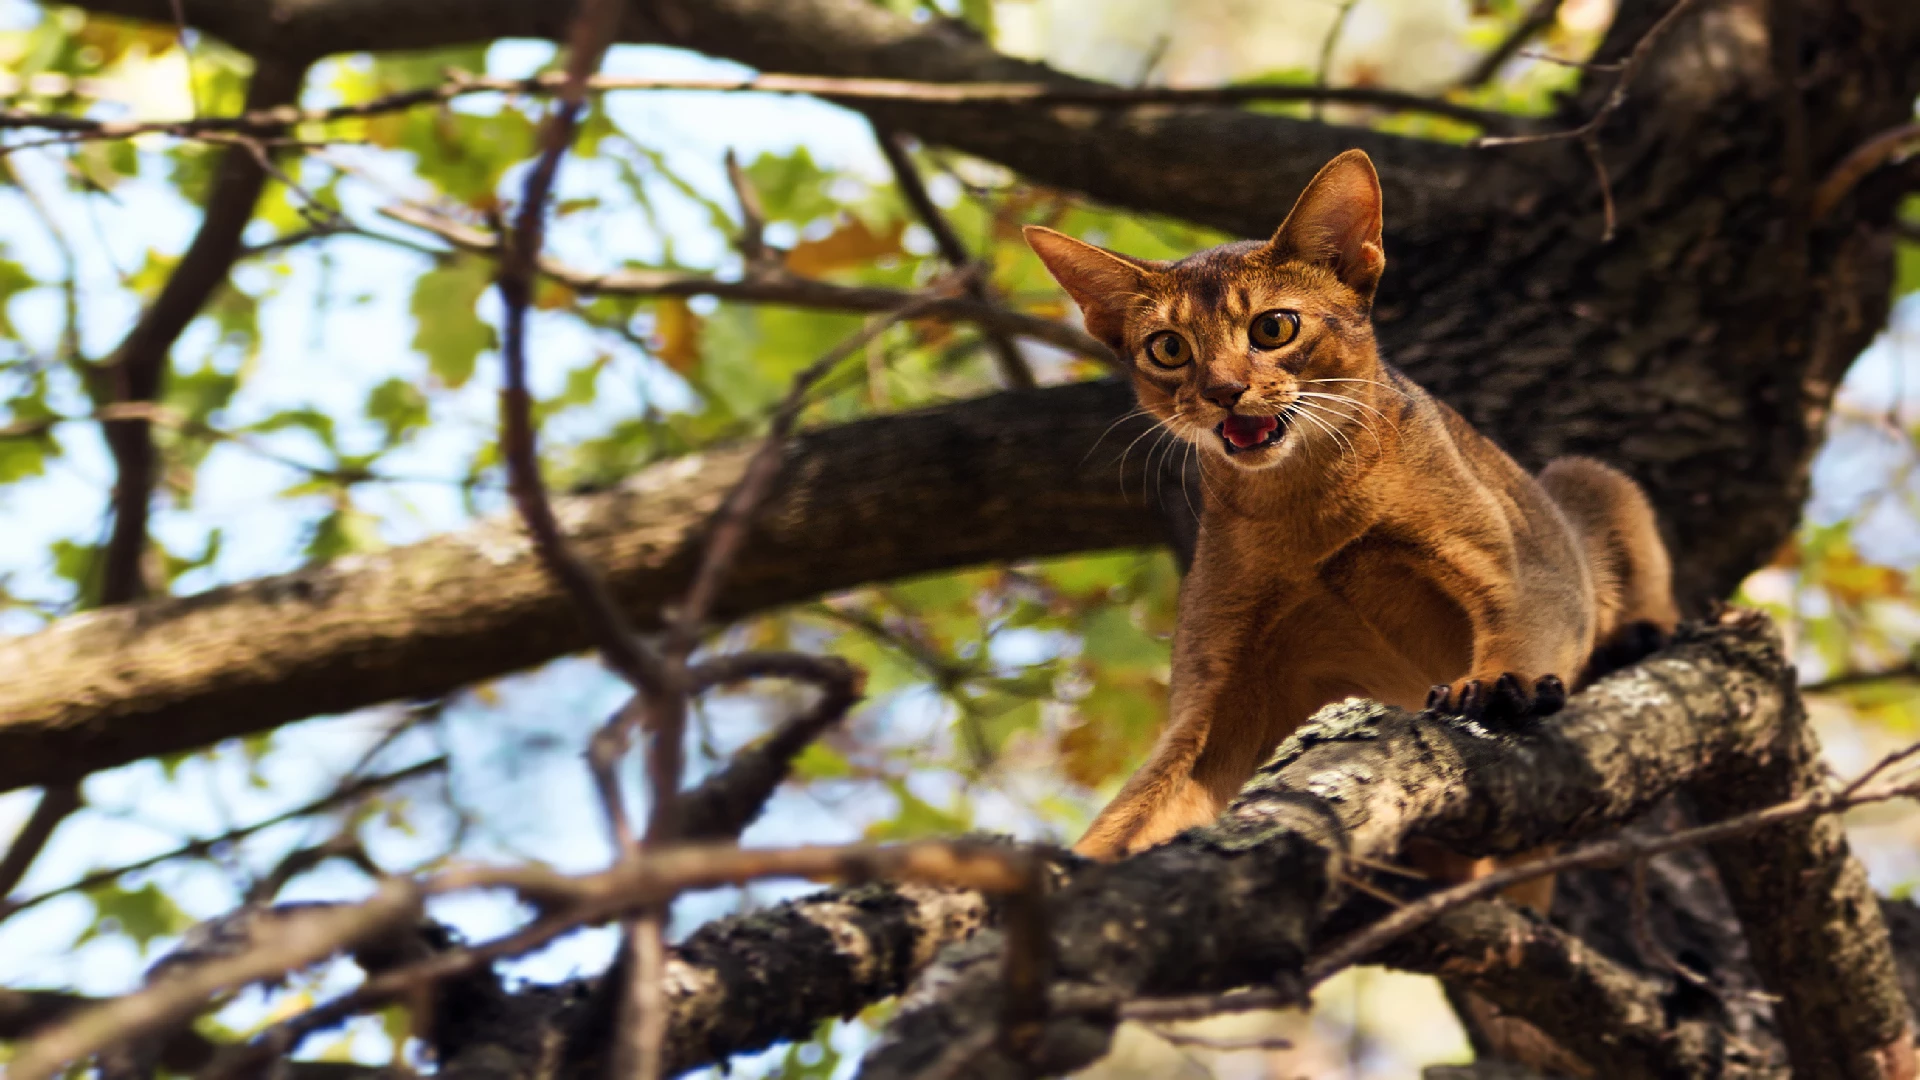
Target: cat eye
1274,329
1168,349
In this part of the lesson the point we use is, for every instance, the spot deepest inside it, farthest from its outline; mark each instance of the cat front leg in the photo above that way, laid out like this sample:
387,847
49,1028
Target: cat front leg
1215,726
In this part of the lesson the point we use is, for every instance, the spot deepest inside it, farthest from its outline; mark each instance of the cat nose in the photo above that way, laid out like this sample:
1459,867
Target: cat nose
1224,394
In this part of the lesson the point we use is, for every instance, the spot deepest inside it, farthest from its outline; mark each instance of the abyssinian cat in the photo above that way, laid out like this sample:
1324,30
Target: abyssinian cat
1358,537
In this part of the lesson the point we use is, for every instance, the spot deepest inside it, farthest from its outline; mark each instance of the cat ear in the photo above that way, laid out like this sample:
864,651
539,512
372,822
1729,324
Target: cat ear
1100,281
1336,224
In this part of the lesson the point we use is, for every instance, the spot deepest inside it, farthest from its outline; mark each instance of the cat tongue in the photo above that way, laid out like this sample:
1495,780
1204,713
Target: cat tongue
1244,431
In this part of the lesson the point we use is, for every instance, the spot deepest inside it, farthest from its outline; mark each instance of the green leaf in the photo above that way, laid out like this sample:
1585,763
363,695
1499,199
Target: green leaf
142,914
815,1059
398,407
819,762
79,564
345,529
317,423
1113,639
202,392
447,329
24,456
13,279
916,817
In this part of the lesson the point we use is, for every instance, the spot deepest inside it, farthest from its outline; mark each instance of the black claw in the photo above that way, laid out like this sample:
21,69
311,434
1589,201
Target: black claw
1509,700
1549,695
1473,700
1437,697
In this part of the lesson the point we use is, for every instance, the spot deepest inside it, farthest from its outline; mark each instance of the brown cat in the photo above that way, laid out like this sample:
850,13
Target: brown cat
1358,538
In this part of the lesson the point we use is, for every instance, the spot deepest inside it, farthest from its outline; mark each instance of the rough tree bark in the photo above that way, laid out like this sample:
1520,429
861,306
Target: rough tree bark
1698,347
1247,900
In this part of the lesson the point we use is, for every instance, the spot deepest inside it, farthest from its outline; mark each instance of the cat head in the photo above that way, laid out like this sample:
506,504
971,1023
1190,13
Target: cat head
1242,349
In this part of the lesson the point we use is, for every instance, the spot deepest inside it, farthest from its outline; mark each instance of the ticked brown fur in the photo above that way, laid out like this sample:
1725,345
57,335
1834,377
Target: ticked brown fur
1376,546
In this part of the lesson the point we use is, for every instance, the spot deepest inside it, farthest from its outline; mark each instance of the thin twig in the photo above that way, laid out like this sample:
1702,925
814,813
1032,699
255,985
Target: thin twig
265,120
1222,1042
1861,791
1615,98
1013,367
752,240
1861,161
774,285
57,803
1202,1006
726,534
1535,22
519,448
292,941
340,796
728,530
1847,680
1322,74
1588,134
636,884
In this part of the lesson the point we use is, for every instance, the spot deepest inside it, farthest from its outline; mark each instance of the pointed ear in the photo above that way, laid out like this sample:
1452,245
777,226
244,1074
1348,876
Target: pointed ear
1336,224
1100,281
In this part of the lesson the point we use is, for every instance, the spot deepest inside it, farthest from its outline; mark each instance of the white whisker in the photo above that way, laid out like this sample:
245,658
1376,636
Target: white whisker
1362,421
1306,413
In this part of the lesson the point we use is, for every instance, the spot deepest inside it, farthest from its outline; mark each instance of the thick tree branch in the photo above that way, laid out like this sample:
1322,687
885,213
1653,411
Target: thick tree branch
1356,784
1613,1019
137,369
1032,474
1812,926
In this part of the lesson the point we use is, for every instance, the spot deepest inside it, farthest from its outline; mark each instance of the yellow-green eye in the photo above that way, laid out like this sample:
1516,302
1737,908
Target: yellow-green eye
1273,329
1168,349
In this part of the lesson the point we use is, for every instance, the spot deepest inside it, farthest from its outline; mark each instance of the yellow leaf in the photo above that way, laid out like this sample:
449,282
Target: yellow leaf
551,295
676,334
850,244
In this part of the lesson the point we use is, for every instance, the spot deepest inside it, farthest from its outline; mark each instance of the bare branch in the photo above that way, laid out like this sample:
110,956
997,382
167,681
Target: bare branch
1531,25
342,796
56,804
271,119
1612,852
1014,371
1859,163
772,286
281,943
724,804
519,449
138,367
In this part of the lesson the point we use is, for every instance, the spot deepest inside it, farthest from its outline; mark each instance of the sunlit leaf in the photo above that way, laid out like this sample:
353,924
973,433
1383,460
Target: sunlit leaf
447,328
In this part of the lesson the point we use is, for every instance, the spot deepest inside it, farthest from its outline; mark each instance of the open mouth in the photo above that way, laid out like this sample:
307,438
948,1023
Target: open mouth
1243,433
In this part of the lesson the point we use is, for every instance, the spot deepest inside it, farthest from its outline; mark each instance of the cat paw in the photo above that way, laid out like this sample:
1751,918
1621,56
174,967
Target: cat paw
1629,645
1508,700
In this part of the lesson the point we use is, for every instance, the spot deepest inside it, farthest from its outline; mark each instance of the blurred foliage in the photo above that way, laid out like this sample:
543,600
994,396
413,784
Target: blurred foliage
1010,697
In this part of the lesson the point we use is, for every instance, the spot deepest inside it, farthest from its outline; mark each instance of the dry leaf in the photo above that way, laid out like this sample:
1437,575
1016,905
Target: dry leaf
676,334
850,244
